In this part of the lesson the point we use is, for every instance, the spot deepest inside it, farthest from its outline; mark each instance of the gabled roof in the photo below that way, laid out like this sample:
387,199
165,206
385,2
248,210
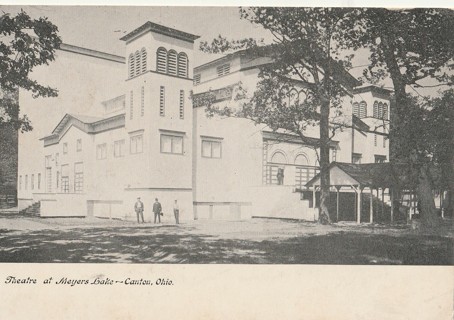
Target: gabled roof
367,175
376,90
87,124
154,27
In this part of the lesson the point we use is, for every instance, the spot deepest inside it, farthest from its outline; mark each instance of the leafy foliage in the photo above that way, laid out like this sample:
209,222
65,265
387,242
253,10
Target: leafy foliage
302,82
25,43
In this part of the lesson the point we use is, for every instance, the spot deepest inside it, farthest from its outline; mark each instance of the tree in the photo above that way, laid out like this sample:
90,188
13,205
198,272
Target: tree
305,82
409,46
25,43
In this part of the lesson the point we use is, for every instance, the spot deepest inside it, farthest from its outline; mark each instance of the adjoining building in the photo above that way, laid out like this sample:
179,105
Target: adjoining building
123,128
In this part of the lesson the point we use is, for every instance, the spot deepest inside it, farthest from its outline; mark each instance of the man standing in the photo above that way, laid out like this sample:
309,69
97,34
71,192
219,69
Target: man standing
157,210
138,207
176,212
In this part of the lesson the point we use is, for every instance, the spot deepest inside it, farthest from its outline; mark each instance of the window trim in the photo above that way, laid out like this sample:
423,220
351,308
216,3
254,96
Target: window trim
211,140
97,148
79,145
65,147
171,134
120,142
135,136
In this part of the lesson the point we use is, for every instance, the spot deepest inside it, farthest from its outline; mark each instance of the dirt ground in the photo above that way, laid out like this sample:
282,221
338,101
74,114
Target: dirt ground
256,241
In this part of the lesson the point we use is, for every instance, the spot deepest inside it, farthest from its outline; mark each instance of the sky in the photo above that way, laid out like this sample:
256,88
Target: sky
101,27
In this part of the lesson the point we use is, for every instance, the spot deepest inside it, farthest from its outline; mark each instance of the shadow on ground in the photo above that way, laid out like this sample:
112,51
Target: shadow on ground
171,244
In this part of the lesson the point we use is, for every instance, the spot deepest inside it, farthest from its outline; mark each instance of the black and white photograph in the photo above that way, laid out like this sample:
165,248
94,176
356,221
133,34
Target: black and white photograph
196,135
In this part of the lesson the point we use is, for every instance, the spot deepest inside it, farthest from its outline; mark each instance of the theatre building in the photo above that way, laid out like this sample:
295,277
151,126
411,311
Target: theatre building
125,127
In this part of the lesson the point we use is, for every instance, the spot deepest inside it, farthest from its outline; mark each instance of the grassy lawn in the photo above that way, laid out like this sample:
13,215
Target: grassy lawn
257,241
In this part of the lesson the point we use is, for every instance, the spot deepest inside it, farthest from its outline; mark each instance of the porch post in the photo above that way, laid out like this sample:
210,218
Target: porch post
337,203
314,203
382,201
371,206
358,209
391,191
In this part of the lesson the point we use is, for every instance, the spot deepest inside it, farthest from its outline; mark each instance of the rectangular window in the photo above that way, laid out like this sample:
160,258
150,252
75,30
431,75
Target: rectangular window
211,149
162,101
375,140
56,158
223,70
101,151
47,161
79,145
171,144
131,105
136,144
20,182
58,179
142,102
181,104
333,154
197,79
26,181
32,182
78,177
384,141
380,159
119,148
65,148
39,181
356,158
65,178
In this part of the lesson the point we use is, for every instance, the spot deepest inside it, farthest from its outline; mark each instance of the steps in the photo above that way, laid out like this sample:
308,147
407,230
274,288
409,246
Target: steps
32,210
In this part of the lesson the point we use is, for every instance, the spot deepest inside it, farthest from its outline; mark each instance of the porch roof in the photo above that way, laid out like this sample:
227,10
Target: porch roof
376,175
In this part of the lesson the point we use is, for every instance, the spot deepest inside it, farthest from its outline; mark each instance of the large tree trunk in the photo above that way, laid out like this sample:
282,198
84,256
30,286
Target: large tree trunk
424,190
425,197
324,217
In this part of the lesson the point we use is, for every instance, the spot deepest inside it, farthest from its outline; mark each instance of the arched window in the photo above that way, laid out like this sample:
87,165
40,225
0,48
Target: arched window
143,53
172,62
279,157
356,109
131,64
380,110
362,109
182,65
376,109
161,60
137,63
301,160
385,111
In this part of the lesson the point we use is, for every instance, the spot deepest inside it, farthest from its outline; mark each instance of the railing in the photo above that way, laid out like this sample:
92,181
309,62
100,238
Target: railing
293,175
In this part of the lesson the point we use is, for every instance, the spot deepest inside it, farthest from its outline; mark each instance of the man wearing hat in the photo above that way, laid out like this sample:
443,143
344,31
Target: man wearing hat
138,207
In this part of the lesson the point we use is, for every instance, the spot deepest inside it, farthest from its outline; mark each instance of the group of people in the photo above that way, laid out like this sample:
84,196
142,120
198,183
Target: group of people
157,211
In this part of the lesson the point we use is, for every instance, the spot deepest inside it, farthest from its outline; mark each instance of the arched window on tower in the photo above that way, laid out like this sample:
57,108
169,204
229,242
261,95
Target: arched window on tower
385,111
143,53
131,65
356,109
380,110
362,109
137,72
172,62
376,109
161,60
182,65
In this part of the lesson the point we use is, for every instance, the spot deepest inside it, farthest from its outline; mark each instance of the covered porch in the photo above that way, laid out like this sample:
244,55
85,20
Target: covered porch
375,181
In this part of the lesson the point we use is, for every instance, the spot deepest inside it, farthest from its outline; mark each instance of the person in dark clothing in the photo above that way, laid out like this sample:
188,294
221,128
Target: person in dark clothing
157,209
